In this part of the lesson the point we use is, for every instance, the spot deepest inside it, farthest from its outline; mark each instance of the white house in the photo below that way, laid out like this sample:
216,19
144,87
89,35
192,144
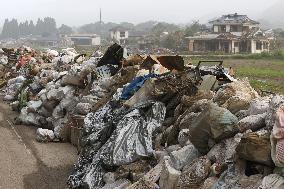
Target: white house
86,39
119,34
232,33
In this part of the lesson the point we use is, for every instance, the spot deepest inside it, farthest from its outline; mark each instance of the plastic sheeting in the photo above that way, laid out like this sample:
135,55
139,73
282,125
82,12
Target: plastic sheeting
135,85
134,138
114,136
229,179
272,181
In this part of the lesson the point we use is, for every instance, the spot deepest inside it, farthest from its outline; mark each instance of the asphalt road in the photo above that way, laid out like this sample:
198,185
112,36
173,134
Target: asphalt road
27,164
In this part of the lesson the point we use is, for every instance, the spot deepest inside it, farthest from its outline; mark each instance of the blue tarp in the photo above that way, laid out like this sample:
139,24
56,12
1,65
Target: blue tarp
135,85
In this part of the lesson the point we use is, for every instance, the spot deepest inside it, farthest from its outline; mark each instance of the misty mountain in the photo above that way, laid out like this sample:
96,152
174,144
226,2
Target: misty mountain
145,27
273,17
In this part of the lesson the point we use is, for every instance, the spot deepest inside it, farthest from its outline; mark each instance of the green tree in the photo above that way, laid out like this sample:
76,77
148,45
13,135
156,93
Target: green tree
26,28
31,28
161,27
39,28
5,32
21,29
49,25
14,29
281,34
64,29
174,40
193,28
46,26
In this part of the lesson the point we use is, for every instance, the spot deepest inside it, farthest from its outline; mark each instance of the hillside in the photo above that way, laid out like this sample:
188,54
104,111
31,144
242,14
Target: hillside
273,17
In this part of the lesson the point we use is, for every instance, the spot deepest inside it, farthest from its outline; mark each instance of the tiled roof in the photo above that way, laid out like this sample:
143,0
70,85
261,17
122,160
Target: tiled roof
119,28
210,36
233,19
254,33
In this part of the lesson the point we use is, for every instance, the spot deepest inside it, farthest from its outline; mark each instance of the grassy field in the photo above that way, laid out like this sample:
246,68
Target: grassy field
265,74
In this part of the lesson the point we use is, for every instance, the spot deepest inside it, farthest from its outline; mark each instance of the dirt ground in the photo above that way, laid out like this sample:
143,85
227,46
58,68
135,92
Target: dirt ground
27,164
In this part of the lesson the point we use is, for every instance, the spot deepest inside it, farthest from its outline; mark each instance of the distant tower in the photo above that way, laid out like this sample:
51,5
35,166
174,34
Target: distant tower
100,16
101,22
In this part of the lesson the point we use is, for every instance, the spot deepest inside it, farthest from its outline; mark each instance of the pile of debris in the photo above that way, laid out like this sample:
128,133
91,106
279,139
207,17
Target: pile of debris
152,122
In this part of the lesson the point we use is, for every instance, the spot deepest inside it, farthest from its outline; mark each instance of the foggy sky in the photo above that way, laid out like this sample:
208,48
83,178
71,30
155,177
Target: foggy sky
80,12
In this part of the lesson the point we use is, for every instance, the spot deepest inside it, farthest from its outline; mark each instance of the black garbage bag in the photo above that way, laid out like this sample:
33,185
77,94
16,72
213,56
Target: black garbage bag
112,56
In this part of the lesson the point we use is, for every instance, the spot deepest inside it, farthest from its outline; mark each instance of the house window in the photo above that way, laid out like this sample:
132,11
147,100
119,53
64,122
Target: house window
265,45
82,41
236,44
245,28
258,45
50,43
234,28
122,34
223,28
216,29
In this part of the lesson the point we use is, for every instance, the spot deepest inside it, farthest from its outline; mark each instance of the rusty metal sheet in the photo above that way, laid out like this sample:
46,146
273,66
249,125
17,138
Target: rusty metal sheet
172,62
149,61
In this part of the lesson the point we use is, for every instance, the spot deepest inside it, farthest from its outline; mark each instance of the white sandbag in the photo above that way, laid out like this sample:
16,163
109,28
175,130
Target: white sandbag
44,135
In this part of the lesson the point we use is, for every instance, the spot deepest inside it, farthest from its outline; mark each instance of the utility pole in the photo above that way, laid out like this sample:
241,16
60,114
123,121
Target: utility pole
100,16
101,25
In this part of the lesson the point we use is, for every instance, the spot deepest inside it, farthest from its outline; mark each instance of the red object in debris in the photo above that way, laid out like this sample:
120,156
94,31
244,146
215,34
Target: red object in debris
22,61
278,129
